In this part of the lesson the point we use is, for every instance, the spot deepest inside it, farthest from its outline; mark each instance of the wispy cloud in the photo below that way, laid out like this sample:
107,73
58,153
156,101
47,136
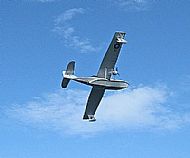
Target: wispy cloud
68,15
63,27
140,108
42,1
48,0
135,5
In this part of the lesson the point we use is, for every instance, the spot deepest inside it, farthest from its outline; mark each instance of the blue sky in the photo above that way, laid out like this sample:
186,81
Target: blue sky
38,38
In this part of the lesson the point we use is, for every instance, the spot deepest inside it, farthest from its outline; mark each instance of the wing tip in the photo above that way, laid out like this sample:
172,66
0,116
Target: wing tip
90,118
120,32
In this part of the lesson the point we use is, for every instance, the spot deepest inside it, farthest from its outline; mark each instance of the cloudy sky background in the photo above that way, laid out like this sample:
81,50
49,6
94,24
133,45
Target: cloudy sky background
39,119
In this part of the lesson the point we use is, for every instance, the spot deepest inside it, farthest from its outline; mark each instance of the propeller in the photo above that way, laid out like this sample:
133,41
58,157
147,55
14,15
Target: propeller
115,72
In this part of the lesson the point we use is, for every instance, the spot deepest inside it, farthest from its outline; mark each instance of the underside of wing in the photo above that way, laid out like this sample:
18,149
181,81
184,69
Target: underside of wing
110,58
94,99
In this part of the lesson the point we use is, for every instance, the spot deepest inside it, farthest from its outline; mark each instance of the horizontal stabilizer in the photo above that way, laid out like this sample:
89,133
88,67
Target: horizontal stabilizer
65,82
70,68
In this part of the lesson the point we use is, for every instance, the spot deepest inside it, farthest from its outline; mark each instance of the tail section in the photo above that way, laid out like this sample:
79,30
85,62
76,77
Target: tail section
68,74
65,82
70,68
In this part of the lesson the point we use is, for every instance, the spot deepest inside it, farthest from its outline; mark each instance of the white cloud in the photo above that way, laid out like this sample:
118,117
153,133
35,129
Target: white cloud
68,15
140,108
137,5
68,33
46,0
42,1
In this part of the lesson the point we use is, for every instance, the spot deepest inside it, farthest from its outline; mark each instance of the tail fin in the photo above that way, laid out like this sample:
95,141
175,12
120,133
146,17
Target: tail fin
68,74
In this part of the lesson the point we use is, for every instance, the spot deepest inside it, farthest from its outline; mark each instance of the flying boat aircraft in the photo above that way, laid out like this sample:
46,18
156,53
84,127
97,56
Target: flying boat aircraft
102,81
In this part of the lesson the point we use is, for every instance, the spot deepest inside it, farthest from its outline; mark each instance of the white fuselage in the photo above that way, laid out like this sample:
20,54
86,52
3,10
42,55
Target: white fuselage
103,82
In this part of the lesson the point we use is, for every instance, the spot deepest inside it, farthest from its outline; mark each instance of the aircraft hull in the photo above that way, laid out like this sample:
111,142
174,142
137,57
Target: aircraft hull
102,82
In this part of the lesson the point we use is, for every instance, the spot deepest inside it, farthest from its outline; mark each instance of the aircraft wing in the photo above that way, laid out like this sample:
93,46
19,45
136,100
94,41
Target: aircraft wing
94,99
112,53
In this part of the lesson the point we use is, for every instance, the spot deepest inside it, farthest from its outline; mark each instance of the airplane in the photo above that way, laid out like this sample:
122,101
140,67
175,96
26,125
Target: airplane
103,80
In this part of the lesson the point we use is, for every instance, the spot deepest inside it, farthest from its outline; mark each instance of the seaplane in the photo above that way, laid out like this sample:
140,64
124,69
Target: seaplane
103,80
